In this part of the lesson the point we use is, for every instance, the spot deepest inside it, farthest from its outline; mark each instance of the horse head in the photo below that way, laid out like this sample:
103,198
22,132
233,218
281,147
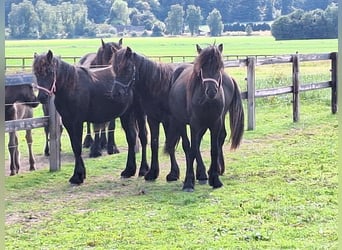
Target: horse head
123,66
105,52
208,68
45,71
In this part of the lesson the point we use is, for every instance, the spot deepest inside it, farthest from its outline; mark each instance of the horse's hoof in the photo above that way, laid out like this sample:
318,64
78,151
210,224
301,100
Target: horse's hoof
111,151
127,174
171,177
215,182
75,181
202,182
189,190
151,175
95,154
143,172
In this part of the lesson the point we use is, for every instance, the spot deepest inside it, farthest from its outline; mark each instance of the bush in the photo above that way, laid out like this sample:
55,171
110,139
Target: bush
315,24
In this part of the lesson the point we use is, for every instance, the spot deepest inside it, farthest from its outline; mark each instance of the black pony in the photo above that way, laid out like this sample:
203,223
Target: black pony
201,95
19,103
152,86
83,95
102,58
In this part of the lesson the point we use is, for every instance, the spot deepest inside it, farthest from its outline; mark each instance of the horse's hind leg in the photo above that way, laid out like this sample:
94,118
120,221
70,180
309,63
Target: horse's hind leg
88,140
95,149
47,149
172,138
29,145
222,137
111,145
14,154
103,137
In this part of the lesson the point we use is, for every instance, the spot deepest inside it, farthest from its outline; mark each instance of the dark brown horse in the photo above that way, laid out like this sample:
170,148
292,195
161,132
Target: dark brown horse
19,103
97,60
152,86
82,95
200,96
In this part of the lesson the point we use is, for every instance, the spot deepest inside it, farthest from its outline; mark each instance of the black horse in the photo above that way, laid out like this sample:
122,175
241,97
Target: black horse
152,86
83,95
201,95
19,103
102,58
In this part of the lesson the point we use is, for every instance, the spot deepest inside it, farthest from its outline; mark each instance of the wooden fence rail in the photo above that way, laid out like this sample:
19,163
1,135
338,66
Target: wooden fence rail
250,62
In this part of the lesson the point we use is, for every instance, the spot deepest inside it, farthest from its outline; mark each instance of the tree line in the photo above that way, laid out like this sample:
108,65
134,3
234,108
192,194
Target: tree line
45,19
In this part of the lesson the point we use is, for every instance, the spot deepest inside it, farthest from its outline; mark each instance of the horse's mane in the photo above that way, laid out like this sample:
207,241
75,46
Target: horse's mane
156,75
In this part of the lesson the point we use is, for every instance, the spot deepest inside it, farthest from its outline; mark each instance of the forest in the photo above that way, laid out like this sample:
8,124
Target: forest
48,19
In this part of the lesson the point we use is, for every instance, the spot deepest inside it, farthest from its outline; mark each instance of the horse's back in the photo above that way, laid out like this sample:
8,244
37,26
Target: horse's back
178,98
87,60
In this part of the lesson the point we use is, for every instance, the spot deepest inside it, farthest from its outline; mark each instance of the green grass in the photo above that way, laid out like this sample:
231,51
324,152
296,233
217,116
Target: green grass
174,46
280,192
280,186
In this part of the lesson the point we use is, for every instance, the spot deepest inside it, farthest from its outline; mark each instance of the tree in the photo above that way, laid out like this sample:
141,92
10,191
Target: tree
23,21
214,22
193,18
286,7
175,21
247,11
48,25
158,29
119,13
98,10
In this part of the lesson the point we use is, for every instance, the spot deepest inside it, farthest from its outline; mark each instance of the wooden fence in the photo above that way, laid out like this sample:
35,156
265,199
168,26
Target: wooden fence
250,95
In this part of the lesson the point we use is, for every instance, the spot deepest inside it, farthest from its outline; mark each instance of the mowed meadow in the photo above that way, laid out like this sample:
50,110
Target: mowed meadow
280,186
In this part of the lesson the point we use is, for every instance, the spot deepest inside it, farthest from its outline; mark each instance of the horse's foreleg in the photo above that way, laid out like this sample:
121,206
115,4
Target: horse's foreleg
111,145
189,182
141,121
75,135
128,124
29,145
14,155
153,173
214,180
201,174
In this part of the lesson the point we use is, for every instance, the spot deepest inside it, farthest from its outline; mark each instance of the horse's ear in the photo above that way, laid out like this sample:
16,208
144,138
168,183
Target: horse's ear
49,56
220,47
35,55
199,49
128,52
120,41
103,43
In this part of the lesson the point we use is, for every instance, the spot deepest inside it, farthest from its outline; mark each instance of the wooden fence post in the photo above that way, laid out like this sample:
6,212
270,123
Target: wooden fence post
333,57
295,84
55,132
251,93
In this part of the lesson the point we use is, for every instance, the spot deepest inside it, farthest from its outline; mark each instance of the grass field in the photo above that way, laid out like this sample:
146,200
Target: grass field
280,186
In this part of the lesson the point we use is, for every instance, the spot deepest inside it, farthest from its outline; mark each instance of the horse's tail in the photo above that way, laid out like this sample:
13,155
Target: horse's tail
236,117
